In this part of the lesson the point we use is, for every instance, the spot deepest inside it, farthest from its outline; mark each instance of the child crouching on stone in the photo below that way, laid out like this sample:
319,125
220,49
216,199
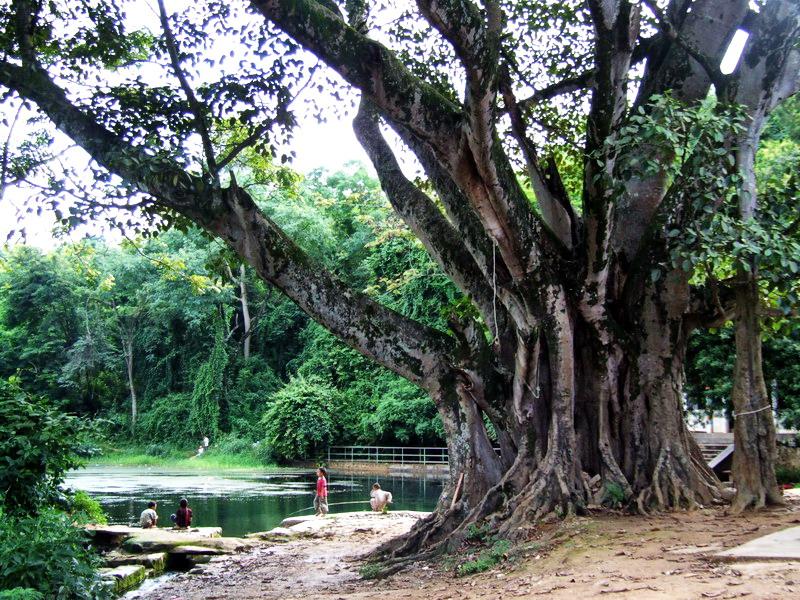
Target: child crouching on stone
379,499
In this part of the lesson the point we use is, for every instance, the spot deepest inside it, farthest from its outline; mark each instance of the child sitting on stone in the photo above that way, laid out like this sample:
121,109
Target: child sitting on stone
183,518
149,517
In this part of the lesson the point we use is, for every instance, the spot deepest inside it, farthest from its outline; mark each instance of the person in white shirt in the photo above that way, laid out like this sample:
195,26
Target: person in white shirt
379,499
149,516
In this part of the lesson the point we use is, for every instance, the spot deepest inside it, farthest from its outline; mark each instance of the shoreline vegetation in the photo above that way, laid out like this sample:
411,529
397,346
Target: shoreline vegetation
177,458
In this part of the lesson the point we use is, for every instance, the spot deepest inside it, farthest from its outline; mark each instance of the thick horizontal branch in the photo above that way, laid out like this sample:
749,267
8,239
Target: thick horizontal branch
411,349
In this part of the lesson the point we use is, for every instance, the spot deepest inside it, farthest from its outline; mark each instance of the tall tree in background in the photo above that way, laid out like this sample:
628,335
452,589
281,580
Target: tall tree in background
574,345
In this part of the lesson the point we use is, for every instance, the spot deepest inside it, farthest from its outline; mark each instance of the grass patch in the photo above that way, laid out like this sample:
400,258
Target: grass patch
174,458
486,559
478,533
370,571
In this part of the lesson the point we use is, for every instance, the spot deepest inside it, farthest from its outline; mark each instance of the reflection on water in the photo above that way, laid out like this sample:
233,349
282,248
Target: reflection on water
240,503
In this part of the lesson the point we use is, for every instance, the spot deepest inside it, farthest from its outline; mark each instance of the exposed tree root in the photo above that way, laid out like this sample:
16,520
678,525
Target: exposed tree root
677,482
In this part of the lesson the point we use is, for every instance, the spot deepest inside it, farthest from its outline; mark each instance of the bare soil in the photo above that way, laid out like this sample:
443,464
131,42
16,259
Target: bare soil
606,555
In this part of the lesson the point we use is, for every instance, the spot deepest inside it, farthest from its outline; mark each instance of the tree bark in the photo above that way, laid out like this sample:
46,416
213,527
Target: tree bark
127,350
754,424
245,312
769,71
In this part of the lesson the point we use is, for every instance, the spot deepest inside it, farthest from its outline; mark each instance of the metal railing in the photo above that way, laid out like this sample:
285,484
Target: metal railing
415,455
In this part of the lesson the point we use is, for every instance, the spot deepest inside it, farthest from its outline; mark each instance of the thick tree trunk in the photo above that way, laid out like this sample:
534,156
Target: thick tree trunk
585,409
754,426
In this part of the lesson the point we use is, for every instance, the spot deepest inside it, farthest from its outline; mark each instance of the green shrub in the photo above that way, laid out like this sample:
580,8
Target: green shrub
301,419
370,571
85,509
20,594
231,444
787,474
263,452
159,450
613,494
48,554
477,533
38,445
485,560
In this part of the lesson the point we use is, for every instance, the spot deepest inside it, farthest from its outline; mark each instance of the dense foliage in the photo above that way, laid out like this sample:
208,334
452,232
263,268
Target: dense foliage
68,315
41,550
48,554
38,445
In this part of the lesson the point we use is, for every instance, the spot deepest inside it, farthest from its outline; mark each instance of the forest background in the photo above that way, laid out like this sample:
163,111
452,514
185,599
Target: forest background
169,338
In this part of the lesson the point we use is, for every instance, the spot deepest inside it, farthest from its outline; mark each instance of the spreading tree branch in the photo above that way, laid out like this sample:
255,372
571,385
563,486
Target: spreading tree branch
422,216
477,164
557,217
195,106
565,86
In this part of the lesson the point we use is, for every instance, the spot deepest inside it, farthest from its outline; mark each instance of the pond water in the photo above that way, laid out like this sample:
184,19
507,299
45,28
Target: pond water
240,502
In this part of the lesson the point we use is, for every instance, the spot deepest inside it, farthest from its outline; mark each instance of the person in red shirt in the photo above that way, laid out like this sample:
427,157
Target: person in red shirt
321,499
183,518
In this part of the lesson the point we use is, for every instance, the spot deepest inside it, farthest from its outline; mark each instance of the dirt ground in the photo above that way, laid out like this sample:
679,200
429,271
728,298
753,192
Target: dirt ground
602,556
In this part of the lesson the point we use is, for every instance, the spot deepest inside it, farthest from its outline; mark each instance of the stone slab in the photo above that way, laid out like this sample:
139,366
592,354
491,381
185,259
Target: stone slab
124,578
196,551
160,539
273,534
155,560
782,545
291,521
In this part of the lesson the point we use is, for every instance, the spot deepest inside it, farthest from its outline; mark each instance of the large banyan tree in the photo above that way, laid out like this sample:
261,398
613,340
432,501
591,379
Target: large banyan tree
566,147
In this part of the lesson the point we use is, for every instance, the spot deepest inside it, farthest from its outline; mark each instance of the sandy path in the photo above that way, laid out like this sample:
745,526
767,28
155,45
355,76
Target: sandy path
609,556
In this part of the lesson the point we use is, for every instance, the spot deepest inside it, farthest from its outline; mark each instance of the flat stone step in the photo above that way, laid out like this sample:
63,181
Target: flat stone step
144,541
196,551
292,521
156,560
123,578
782,545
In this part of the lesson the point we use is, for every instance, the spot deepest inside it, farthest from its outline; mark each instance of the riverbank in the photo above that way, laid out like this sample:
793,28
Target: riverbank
663,556
170,458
